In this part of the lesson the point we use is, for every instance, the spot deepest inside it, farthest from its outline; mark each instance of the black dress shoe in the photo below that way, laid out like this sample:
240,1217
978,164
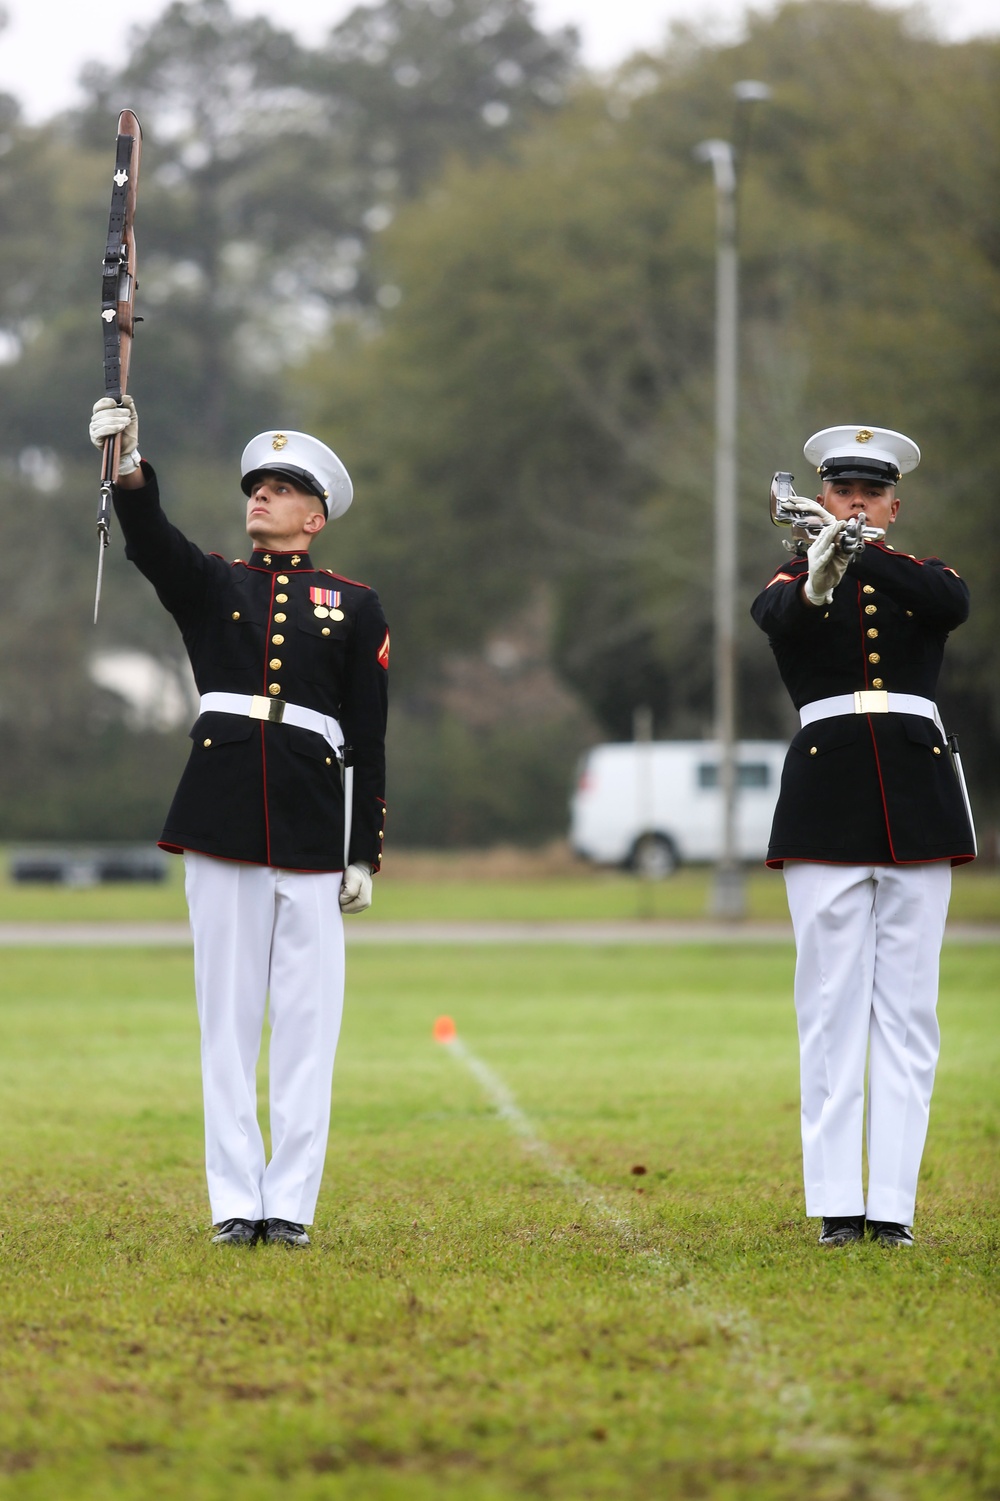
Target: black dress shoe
888,1233
237,1232
842,1229
285,1233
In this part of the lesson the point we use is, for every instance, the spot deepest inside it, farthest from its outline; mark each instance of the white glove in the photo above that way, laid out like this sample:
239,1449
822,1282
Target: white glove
108,419
356,888
826,564
803,503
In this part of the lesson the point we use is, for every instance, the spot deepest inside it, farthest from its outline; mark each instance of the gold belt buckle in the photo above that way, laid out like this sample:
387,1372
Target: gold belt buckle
871,701
272,709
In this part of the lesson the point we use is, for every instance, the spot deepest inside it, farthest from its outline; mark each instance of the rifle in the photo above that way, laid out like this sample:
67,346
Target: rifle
117,310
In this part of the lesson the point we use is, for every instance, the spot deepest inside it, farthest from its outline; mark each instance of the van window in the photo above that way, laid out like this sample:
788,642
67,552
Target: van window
748,774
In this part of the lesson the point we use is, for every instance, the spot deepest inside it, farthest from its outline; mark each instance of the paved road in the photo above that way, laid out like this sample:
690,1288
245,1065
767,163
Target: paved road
372,932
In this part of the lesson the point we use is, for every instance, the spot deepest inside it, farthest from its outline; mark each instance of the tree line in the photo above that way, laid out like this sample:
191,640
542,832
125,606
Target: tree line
487,279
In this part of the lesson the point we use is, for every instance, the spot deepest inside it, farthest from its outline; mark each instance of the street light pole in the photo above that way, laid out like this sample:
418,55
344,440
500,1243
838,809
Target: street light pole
728,898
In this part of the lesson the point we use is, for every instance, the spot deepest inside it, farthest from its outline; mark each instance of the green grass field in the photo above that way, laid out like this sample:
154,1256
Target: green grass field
467,1325
453,888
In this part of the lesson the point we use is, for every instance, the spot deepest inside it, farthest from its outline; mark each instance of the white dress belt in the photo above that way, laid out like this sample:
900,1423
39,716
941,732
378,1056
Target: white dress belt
870,701
276,711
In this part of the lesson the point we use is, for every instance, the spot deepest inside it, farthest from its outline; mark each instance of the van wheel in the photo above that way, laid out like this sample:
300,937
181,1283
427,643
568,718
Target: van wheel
654,857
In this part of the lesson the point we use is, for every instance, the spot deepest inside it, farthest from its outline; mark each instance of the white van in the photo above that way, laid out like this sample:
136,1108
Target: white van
655,805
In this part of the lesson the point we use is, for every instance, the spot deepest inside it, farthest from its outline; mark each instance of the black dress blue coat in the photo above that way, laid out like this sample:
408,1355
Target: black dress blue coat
252,790
864,789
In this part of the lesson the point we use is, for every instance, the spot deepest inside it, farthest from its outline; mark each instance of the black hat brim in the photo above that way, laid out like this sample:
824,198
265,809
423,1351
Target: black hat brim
855,468
302,478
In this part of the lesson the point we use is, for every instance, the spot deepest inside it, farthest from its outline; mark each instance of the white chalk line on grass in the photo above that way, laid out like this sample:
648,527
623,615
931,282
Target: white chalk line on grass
771,1387
510,1111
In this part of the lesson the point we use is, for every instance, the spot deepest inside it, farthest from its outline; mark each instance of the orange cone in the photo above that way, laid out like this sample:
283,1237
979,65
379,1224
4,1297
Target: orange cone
445,1029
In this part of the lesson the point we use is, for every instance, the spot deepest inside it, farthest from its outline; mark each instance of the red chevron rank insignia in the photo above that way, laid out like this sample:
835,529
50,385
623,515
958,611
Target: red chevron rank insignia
383,653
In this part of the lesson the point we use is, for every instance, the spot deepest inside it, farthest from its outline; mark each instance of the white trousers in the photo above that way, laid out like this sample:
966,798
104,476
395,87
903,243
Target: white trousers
868,942
258,930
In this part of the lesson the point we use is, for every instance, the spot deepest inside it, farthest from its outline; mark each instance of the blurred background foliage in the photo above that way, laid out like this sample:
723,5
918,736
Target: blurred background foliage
487,279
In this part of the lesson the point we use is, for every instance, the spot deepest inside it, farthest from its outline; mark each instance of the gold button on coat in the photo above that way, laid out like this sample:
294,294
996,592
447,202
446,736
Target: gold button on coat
236,614
812,750
274,688
277,640
329,760
280,618
877,683
873,656
274,663
282,599
206,743
325,631
868,589
871,609
872,632
282,578
936,749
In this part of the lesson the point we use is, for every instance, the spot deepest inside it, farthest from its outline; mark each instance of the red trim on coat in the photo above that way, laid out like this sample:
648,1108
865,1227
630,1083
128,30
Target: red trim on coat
804,860
263,742
881,790
861,627
344,579
871,729
299,870
884,546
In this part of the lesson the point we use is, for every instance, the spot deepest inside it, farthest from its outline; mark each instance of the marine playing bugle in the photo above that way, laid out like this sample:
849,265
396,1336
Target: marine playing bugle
807,518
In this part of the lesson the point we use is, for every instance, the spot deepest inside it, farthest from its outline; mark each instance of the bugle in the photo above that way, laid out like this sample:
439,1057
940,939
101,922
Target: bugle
807,518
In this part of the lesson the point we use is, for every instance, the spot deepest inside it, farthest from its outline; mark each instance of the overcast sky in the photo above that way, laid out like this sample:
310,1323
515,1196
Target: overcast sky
47,41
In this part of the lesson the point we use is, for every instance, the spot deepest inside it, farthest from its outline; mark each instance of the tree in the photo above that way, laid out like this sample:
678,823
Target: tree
269,169
539,405
265,179
414,82
517,369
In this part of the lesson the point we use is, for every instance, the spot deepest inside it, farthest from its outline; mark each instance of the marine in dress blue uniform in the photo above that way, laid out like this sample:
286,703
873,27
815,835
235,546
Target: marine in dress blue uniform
287,757
870,818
